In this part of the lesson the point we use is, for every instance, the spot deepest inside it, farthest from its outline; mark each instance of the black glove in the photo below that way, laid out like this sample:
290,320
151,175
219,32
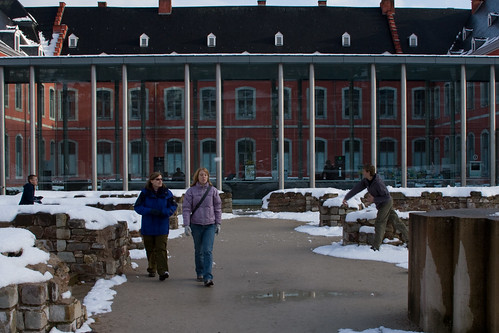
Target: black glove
155,212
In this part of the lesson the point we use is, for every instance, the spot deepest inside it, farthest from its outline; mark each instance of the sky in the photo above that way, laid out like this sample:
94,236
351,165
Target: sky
463,4
99,300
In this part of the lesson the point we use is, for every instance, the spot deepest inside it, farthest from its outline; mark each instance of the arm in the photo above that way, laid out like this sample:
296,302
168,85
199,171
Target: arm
171,205
187,207
140,207
217,206
356,189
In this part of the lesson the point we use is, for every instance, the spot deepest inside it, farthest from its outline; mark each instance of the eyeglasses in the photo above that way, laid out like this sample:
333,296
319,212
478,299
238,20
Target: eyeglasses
160,179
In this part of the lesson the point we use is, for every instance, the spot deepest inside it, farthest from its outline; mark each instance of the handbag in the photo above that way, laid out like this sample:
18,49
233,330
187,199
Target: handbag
200,201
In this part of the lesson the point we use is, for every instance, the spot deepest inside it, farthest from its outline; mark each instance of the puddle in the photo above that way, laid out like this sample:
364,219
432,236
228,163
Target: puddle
298,295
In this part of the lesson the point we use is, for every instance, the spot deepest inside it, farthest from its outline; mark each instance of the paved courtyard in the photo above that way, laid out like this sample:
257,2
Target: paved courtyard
267,279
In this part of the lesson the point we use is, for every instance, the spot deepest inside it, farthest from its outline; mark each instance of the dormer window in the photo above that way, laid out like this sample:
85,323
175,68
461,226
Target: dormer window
345,40
212,40
279,39
17,41
413,40
476,43
73,41
466,32
144,40
492,17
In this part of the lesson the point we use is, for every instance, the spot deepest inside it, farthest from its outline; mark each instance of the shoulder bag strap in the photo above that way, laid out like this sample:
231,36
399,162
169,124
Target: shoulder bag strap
200,201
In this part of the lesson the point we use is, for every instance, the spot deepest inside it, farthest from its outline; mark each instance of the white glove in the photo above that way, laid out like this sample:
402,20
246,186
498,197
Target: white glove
187,230
219,227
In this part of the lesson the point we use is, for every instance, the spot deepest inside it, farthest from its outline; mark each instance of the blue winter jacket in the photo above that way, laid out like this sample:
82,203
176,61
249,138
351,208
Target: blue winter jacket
156,209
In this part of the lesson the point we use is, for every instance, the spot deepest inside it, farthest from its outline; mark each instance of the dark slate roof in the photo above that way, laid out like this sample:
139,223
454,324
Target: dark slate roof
436,29
45,17
13,9
114,30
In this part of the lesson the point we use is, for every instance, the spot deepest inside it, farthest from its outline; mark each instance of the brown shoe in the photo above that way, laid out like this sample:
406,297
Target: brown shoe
200,278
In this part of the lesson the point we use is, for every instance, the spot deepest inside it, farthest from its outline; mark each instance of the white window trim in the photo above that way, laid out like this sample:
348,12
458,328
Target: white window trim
211,40
343,104
414,103
394,115
144,40
73,41
201,103
165,93
111,104
238,117
324,103
346,40
413,40
76,104
279,39
130,103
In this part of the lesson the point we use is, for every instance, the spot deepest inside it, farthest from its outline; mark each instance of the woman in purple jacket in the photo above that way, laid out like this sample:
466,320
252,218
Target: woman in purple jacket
202,213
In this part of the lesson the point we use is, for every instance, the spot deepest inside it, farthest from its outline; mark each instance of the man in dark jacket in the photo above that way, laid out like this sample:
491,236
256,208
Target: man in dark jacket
28,197
378,193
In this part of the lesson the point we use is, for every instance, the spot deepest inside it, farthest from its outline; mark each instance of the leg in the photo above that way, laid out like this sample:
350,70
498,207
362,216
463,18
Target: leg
151,258
380,224
161,243
399,226
207,250
197,236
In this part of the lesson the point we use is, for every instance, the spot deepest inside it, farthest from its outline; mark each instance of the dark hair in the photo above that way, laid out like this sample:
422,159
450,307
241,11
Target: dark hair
30,177
370,168
153,176
195,178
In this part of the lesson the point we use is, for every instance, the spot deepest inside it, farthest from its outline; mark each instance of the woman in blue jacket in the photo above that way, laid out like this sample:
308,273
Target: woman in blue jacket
156,204
202,213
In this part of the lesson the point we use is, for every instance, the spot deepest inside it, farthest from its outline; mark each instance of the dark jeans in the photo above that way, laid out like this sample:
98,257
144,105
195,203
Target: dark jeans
203,236
157,256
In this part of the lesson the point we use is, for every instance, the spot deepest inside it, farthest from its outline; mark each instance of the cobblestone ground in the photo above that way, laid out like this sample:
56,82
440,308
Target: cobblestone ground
267,279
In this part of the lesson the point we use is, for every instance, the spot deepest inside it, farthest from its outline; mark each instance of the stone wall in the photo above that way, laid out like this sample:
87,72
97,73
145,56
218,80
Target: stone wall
38,307
361,231
89,254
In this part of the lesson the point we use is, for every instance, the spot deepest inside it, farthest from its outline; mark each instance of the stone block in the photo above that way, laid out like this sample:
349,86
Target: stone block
36,319
8,296
77,246
8,321
76,224
63,233
62,312
66,256
20,320
61,245
67,327
54,291
111,267
34,293
61,220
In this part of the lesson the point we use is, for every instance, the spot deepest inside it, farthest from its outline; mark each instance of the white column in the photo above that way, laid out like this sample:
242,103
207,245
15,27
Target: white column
374,125
187,125
403,125
93,129
32,119
464,138
124,99
492,136
311,139
218,105
280,107
2,133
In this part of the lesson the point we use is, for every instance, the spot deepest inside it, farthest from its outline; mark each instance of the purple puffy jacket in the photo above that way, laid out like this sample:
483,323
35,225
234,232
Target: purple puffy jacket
210,210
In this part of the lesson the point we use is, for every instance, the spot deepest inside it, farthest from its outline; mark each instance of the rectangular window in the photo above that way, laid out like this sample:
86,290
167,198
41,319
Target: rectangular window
418,103
436,103
484,94
387,103
6,95
174,103
245,103
41,100
52,104
103,104
19,96
470,95
355,100
104,163
208,104
67,105
287,103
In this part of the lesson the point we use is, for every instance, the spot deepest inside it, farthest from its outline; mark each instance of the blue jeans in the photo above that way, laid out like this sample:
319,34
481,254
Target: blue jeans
203,236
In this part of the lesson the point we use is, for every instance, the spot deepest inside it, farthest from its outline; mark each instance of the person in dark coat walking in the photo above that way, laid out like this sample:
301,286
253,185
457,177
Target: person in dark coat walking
202,214
156,204
378,193
28,197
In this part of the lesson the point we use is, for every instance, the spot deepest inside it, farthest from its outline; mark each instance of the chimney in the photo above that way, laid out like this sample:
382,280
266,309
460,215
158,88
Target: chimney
322,3
165,7
387,6
475,4
102,4
261,2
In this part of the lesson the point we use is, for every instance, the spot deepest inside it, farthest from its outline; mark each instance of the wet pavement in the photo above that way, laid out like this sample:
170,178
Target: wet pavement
267,279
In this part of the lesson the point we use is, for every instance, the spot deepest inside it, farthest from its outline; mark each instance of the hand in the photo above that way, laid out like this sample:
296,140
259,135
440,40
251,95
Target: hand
345,203
187,231
217,230
369,198
155,212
